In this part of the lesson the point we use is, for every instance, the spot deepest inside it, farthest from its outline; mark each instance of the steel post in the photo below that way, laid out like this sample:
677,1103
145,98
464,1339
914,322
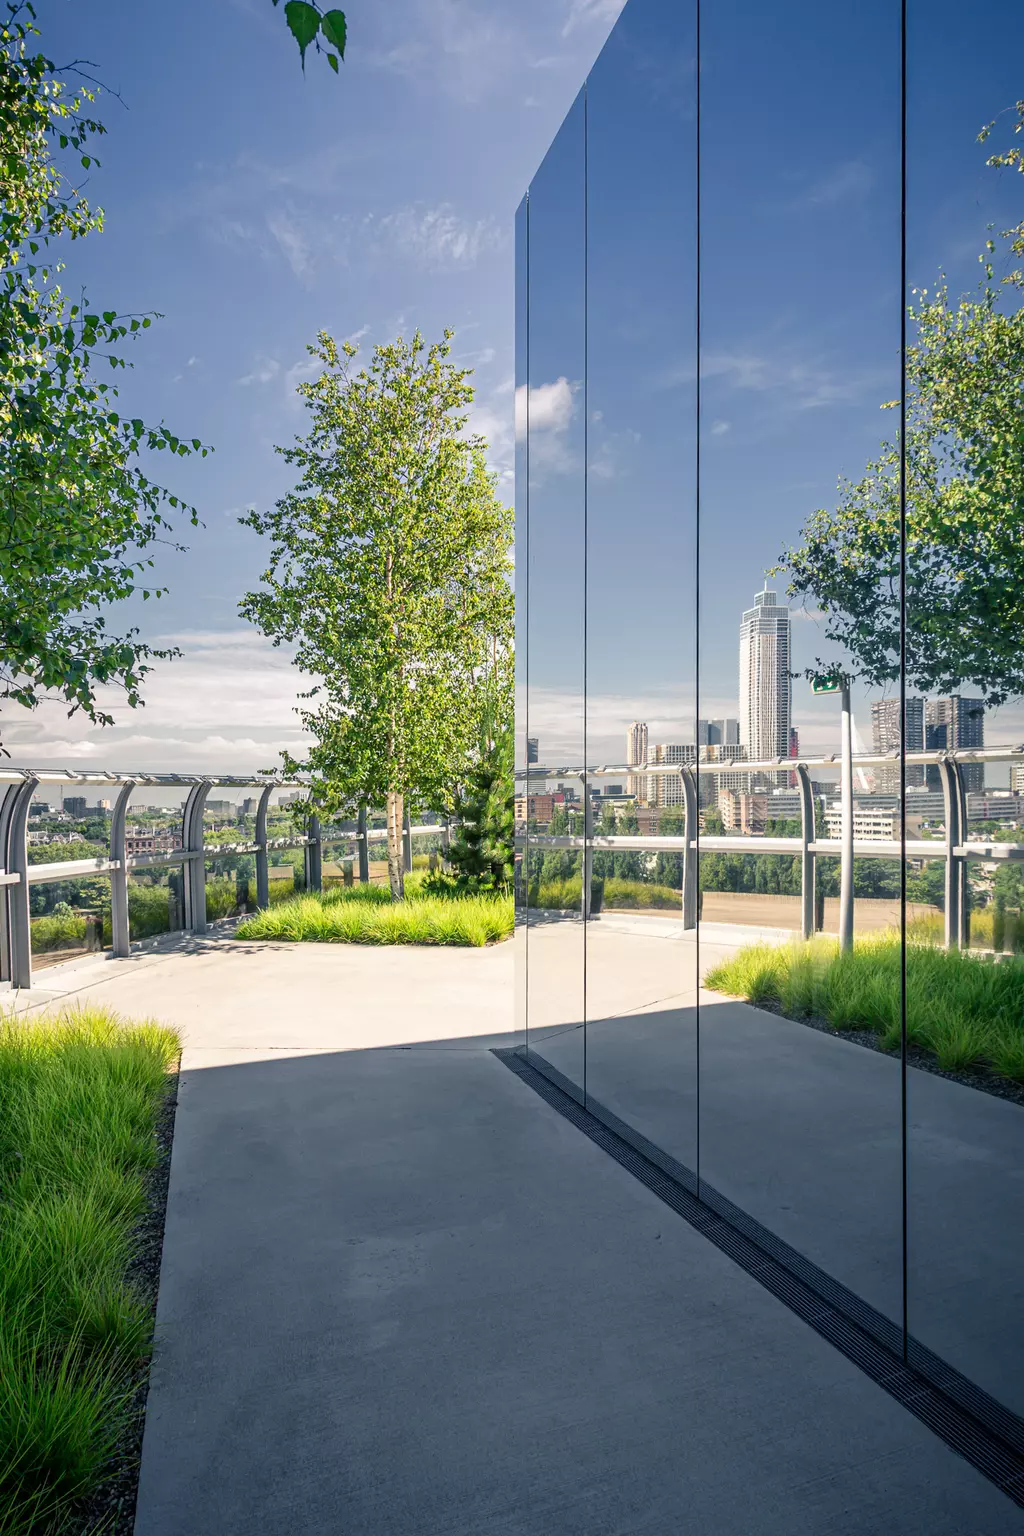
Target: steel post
962,867
18,895
407,843
691,852
7,804
951,881
262,856
807,862
364,847
587,862
120,929
846,803
313,856
194,870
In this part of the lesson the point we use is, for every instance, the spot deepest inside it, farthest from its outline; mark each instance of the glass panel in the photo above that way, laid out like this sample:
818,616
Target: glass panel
800,336
523,743
965,682
641,570
556,424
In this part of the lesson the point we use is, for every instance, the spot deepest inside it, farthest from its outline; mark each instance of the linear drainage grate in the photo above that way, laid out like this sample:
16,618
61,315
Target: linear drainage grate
964,1433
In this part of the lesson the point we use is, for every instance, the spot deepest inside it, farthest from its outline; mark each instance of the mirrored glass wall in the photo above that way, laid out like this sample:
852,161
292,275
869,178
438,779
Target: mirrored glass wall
770,486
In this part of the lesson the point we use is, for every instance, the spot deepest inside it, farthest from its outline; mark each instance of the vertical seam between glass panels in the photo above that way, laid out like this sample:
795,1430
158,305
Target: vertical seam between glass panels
587,837
526,627
903,667
697,590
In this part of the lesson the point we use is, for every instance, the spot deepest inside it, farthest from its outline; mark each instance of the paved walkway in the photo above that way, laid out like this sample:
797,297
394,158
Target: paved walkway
401,1295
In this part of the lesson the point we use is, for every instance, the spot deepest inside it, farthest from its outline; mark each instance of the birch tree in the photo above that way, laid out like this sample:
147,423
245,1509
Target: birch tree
390,573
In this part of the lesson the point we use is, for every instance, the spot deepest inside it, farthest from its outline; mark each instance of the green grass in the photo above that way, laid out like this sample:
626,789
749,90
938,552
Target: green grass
619,895
57,931
365,914
988,931
81,1093
966,1010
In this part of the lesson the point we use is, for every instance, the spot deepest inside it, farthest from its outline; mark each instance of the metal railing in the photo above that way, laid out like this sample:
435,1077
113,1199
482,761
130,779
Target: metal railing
954,848
17,875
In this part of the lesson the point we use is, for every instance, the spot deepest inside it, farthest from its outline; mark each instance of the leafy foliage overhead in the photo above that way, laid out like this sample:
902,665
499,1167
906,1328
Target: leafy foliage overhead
78,516
308,23
962,475
1010,159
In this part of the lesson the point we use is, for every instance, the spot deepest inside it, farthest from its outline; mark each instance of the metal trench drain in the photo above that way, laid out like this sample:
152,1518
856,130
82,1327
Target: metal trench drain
991,1439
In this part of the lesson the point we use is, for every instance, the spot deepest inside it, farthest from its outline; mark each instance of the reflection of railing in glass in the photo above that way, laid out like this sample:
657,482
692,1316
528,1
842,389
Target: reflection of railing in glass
954,849
186,858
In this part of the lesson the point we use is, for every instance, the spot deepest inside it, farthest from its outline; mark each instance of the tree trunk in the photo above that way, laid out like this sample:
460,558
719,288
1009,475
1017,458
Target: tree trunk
396,823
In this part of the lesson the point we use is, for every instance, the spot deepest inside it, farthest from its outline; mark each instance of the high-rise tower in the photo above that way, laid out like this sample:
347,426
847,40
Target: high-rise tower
888,737
765,687
636,752
956,722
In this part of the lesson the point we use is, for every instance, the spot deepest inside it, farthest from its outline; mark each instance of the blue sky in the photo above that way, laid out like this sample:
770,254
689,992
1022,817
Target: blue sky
253,207
800,328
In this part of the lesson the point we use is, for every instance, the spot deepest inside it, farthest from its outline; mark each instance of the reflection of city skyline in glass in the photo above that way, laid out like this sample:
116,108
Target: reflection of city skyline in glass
717,491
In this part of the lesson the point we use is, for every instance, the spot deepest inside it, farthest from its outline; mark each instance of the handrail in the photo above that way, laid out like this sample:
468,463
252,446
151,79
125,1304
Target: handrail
18,876
954,849
777,764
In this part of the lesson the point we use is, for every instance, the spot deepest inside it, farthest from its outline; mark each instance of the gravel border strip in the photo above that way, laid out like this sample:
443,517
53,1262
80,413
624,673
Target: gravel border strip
984,1082
111,1508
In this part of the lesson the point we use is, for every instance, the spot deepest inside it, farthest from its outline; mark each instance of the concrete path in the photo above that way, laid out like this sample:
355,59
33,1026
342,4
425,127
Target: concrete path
401,1295
802,1131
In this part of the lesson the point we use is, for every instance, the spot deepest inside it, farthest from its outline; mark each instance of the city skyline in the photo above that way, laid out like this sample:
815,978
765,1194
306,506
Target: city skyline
765,685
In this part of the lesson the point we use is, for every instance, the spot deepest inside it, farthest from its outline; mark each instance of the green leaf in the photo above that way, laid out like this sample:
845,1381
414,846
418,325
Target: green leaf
334,28
304,22
332,59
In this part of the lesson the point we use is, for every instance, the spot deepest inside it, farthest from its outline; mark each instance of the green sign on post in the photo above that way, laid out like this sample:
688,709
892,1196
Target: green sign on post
827,682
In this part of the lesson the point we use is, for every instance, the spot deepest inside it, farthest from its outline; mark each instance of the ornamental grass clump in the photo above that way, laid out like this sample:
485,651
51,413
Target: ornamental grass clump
81,1095
430,913
966,1011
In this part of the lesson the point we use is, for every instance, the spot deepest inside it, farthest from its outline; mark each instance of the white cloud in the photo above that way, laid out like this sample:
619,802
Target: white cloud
719,428
299,373
584,13
556,717
794,382
436,237
264,369
551,409
314,240
492,421
227,704
293,240
843,183
549,406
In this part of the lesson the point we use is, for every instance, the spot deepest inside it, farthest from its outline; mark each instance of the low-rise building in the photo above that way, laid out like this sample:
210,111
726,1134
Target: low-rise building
536,808
995,807
871,824
742,812
151,842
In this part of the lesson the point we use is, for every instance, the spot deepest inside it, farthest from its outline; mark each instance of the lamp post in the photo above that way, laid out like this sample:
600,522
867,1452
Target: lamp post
838,682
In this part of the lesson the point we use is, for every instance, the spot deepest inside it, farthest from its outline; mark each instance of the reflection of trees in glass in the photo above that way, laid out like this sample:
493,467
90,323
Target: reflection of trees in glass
964,505
1010,159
